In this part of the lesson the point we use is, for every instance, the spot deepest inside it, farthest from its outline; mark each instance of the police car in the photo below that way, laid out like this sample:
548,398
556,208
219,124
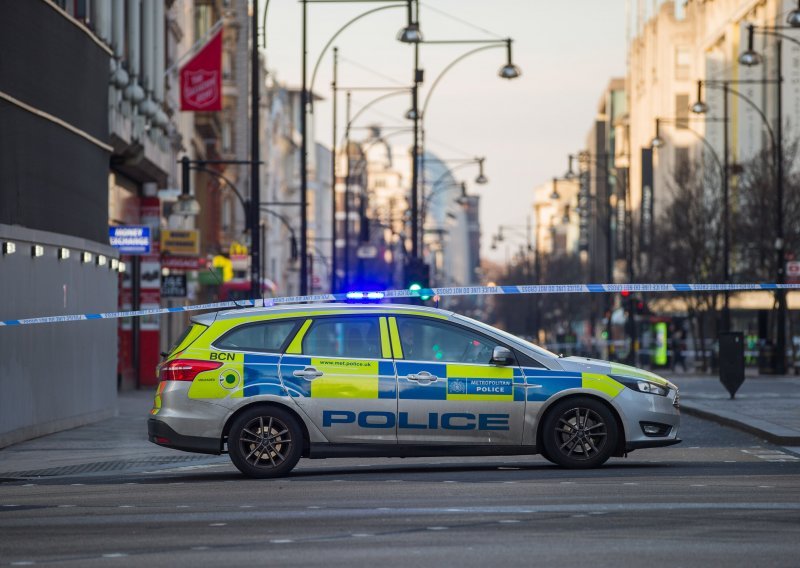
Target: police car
271,385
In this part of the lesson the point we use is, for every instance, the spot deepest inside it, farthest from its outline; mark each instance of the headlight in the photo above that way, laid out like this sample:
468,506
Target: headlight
641,385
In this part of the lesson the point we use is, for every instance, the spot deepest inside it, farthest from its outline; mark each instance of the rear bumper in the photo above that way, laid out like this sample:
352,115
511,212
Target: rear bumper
162,434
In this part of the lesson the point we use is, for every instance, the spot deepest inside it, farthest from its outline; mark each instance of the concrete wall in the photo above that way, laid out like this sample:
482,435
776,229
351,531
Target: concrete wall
60,375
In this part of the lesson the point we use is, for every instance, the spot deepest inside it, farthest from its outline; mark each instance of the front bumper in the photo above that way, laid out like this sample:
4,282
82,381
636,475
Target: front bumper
636,408
161,433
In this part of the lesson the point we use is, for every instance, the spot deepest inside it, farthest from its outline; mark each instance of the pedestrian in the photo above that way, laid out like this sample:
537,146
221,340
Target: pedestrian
677,350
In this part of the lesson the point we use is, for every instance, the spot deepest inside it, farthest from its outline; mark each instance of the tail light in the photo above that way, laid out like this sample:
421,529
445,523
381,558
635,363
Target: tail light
185,369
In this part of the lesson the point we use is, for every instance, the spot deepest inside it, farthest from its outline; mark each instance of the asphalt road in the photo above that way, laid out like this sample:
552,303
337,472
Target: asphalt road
720,498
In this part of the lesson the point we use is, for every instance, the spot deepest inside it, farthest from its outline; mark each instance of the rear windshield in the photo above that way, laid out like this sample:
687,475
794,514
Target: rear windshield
188,336
269,336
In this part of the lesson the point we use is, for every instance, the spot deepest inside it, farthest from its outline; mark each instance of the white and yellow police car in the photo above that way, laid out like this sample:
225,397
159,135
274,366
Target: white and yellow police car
271,385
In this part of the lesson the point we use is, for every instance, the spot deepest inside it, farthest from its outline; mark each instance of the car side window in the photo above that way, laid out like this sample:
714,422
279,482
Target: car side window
424,339
262,336
357,337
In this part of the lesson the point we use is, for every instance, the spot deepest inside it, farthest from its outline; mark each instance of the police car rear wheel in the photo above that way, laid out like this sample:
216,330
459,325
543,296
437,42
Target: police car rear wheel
265,442
579,433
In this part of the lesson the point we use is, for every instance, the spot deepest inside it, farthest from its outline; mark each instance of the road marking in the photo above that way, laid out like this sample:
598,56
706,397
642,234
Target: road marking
217,524
437,528
282,541
115,555
771,455
360,535
508,521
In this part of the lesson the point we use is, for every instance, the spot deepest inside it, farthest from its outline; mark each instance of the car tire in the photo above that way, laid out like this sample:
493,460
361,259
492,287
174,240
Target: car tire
579,433
265,441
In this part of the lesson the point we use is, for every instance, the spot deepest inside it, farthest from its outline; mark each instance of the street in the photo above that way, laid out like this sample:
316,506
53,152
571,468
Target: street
722,497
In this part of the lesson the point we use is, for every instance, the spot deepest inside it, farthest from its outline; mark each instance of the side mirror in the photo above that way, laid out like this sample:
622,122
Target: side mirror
501,356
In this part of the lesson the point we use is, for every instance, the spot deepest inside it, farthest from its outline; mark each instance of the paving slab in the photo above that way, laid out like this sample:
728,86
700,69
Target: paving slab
765,405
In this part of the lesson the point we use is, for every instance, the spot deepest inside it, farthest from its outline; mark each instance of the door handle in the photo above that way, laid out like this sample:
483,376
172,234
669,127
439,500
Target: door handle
308,373
423,377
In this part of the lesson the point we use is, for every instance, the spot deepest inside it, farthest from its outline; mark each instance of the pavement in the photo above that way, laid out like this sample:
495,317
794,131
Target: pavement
766,406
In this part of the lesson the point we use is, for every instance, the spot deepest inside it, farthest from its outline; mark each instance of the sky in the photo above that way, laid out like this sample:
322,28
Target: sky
567,50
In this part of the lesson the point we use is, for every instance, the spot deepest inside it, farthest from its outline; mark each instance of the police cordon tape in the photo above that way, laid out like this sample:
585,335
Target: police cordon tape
421,293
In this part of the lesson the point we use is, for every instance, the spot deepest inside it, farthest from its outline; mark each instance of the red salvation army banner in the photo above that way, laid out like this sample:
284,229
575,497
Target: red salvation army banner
201,78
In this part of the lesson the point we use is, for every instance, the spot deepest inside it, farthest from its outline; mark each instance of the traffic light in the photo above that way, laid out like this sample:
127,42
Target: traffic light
418,278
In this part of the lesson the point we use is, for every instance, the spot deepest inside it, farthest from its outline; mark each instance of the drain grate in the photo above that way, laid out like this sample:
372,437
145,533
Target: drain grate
95,467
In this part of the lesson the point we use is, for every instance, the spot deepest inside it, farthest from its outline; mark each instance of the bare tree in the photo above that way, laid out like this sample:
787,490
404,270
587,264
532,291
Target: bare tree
689,243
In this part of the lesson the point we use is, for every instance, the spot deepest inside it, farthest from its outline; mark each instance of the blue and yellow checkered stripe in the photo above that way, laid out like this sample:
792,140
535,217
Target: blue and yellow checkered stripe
342,378
461,382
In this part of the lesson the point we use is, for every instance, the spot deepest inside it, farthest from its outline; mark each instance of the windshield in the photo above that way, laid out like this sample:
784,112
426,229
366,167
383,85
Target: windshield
512,338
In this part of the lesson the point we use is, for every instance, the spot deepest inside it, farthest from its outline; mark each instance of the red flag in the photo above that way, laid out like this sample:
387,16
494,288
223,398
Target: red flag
201,78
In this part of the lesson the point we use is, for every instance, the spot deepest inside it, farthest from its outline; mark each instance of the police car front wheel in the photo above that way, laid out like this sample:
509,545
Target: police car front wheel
579,433
265,442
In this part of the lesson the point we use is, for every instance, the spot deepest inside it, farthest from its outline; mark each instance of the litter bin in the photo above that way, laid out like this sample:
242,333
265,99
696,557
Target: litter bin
731,360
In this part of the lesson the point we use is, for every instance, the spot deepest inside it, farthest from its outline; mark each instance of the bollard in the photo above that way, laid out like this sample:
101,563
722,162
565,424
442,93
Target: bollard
731,360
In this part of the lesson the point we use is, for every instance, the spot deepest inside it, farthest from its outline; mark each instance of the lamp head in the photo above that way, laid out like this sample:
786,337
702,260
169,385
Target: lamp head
793,19
481,179
410,34
186,206
699,107
411,114
555,195
750,58
509,71
570,175
657,142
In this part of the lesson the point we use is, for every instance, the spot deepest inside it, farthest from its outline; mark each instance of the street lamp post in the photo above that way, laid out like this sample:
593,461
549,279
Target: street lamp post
701,107
187,205
751,58
334,85
522,231
480,179
600,161
255,151
304,98
349,120
508,71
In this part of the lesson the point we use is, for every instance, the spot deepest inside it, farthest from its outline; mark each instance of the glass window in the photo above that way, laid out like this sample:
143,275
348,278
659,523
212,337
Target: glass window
264,336
357,337
683,63
427,340
682,111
